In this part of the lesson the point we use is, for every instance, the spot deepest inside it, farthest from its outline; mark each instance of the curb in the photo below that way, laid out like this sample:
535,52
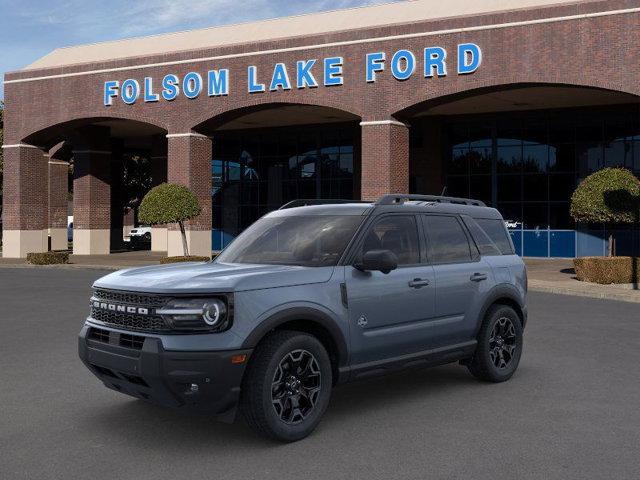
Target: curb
67,266
629,297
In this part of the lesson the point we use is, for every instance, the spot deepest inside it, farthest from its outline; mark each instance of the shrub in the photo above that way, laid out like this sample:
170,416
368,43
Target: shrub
191,258
607,270
48,258
170,203
611,195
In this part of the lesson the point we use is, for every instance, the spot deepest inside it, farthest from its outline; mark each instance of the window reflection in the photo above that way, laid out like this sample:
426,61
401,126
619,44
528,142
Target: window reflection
256,171
538,159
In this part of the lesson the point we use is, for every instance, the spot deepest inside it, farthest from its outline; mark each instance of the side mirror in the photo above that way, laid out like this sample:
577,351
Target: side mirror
378,260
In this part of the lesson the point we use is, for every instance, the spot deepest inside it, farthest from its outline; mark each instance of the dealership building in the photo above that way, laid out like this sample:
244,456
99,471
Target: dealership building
511,102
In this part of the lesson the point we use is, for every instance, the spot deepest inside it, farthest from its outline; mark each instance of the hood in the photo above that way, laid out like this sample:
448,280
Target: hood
204,277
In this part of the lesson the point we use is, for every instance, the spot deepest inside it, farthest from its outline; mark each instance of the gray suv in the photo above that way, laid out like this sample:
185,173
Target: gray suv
309,297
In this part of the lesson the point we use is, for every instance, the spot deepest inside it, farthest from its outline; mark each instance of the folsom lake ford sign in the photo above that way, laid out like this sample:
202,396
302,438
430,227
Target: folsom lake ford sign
309,73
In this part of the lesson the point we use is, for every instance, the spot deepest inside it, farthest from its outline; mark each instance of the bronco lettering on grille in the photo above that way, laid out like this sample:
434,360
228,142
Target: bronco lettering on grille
120,308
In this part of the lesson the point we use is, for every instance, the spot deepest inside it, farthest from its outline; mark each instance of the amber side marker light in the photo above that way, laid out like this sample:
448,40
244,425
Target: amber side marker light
237,359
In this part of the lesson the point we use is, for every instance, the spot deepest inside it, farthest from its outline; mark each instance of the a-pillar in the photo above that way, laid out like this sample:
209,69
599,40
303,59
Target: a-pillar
25,212
189,164
159,175
58,192
92,192
385,158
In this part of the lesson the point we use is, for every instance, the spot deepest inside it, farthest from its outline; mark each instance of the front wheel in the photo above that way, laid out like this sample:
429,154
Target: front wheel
287,386
499,346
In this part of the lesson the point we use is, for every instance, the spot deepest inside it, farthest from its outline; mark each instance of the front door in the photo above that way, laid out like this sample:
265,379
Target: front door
390,313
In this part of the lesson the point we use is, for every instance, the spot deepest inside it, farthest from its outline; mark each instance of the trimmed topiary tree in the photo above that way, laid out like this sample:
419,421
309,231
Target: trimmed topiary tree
611,195
170,203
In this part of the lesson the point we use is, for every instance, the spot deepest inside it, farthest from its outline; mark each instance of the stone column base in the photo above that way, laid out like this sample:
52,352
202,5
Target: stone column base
58,238
199,242
159,239
91,242
17,243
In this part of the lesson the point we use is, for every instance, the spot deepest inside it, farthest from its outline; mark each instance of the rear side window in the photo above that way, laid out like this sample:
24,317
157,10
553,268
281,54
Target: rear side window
447,241
485,245
497,232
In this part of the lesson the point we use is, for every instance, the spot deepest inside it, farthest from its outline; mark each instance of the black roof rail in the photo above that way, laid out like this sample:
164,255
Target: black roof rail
304,202
398,198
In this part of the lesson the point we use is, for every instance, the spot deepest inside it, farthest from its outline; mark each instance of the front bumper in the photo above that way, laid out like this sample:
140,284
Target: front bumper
138,365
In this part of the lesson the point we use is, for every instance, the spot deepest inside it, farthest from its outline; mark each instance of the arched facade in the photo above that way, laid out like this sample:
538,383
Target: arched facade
386,81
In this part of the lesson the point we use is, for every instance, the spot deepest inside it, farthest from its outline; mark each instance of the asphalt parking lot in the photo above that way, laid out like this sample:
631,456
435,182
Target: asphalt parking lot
571,411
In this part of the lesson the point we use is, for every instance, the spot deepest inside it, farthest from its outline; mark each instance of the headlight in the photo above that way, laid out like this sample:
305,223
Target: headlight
196,314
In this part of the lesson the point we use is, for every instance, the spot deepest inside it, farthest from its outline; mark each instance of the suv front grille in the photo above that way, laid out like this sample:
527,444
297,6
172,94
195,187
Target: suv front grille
130,298
128,320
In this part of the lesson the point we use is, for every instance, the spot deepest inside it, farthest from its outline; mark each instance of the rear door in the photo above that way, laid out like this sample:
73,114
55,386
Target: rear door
390,313
462,277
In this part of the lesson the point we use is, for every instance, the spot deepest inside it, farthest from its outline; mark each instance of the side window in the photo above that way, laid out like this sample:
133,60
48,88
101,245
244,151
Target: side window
480,237
396,233
448,242
497,231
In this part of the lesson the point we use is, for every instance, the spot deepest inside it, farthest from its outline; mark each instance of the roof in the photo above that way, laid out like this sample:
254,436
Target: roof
286,27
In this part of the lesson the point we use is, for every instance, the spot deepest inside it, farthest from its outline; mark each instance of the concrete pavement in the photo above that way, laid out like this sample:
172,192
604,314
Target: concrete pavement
569,412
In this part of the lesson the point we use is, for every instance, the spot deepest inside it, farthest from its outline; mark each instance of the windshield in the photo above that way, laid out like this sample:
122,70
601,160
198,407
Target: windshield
310,241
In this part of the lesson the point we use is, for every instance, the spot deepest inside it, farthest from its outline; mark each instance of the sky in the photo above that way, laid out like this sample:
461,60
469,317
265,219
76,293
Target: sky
29,29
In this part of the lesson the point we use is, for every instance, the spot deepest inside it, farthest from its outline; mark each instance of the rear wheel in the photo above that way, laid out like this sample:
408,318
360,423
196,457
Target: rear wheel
287,386
499,345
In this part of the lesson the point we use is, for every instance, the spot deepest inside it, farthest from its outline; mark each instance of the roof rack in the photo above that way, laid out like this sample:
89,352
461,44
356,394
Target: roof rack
304,202
395,198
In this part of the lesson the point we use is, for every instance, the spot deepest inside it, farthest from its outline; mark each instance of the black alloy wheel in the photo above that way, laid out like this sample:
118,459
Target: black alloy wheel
296,386
502,343
287,385
499,345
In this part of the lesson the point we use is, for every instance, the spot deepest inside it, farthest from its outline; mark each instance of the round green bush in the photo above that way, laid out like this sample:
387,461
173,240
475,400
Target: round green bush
611,195
168,203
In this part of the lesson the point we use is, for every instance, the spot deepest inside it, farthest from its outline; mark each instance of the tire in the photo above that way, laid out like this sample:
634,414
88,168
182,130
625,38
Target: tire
499,346
270,394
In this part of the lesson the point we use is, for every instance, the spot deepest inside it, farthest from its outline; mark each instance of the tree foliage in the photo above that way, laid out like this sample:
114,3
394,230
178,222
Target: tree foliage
170,203
611,195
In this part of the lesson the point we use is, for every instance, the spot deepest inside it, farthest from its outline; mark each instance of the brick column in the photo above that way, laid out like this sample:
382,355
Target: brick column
158,175
385,158
25,212
189,164
58,191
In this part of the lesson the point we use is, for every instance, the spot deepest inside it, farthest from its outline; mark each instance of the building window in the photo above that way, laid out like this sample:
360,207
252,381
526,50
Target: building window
256,171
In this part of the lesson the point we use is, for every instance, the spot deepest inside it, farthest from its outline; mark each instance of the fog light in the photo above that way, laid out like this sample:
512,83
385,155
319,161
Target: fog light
193,388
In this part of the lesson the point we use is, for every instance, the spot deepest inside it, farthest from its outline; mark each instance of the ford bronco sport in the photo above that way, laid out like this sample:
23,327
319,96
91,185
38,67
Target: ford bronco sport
309,297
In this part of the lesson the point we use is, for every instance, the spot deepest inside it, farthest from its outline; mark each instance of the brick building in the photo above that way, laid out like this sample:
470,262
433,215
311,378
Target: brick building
511,102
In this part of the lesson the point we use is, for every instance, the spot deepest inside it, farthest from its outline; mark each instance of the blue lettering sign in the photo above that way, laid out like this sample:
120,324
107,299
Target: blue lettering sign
304,77
333,71
218,82
130,91
170,87
375,63
254,87
434,59
149,96
110,92
403,64
192,85
280,78
469,58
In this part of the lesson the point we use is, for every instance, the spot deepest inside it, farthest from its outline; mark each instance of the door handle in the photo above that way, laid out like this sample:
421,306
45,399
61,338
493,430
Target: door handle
478,277
418,283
